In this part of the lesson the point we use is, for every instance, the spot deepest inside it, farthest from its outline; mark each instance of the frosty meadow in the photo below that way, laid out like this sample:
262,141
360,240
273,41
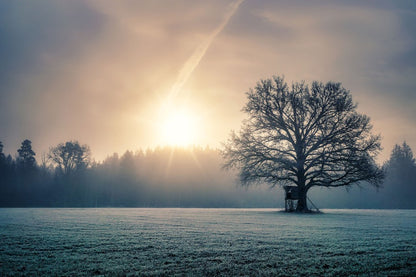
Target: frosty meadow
206,242
165,138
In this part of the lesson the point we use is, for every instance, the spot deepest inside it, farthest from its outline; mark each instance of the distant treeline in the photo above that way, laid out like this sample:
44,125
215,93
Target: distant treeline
161,177
170,177
397,192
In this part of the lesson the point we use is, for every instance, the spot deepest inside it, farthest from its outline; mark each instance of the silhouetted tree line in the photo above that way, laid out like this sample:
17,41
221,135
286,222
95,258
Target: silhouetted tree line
400,184
162,177
165,177
398,190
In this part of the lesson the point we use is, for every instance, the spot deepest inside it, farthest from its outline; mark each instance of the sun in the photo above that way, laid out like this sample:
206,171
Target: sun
179,128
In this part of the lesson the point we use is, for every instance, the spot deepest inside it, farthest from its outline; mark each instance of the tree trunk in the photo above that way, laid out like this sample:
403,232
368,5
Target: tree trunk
302,205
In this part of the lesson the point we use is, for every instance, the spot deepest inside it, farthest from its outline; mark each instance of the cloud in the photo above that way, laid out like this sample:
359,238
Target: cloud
200,51
365,46
98,71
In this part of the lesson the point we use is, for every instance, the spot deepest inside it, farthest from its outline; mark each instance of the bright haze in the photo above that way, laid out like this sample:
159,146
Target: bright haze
120,75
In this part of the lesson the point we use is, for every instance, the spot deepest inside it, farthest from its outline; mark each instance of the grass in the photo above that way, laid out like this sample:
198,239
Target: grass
206,242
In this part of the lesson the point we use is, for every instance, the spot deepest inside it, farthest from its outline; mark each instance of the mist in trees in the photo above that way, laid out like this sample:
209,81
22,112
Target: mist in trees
70,157
26,157
305,137
400,184
173,177
161,177
398,190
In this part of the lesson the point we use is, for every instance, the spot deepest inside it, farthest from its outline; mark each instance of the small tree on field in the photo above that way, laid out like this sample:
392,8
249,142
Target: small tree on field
303,136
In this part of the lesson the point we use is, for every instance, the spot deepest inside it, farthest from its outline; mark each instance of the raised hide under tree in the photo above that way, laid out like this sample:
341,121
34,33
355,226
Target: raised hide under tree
303,136
291,194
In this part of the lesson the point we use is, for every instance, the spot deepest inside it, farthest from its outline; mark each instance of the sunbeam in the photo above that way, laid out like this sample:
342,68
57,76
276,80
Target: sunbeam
200,51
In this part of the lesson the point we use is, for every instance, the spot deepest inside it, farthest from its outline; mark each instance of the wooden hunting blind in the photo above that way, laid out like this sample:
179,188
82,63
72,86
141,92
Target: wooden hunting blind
291,194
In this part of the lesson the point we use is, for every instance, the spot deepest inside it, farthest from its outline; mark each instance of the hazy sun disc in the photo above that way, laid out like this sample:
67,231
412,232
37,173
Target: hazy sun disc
179,129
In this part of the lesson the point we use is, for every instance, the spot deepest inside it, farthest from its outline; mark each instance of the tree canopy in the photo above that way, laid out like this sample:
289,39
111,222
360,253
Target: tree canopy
303,136
401,158
400,183
70,157
26,156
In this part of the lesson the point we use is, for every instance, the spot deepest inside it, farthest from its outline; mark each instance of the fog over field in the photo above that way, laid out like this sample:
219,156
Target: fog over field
207,138
115,242
162,86
179,177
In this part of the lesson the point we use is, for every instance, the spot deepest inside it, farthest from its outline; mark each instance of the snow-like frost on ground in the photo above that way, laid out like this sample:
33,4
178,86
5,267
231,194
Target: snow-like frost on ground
206,242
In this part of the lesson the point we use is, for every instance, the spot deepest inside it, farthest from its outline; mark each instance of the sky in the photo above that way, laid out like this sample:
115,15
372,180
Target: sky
117,74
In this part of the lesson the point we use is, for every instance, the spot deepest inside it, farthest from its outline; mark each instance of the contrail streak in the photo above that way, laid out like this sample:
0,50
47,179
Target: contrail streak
199,52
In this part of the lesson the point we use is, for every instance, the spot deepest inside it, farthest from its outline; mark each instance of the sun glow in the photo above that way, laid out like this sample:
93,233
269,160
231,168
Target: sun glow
179,129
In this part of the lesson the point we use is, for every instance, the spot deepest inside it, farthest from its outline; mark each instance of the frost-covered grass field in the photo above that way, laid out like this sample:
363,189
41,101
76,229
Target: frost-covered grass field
206,242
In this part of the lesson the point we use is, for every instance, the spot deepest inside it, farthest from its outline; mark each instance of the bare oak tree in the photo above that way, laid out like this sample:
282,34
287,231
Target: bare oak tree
304,137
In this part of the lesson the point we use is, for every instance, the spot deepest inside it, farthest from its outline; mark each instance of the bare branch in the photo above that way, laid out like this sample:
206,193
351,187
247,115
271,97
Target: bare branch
304,137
